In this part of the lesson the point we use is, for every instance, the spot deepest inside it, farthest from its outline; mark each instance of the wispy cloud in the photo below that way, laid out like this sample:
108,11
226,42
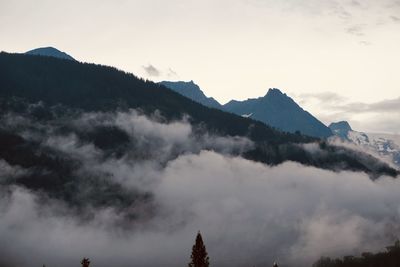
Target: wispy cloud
357,30
156,72
385,106
356,17
395,18
381,115
326,97
172,73
249,214
166,181
365,43
151,70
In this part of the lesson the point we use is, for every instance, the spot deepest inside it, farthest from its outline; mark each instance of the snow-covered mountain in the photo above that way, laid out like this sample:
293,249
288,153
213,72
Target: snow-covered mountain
49,52
386,146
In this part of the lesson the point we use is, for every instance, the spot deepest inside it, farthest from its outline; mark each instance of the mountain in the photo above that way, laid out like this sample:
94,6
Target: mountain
274,109
384,145
93,87
341,129
52,90
192,91
91,136
49,52
280,111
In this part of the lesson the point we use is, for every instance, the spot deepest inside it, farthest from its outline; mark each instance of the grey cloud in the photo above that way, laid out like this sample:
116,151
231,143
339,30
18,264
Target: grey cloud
381,116
357,30
355,16
341,11
365,43
340,103
395,19
8,172
248,213
156,141
326,97
165,137
336,141
151,70
171,73
388,123
391,105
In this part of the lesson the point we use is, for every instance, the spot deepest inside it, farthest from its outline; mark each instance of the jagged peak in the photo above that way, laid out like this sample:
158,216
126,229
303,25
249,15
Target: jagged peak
191,90
343,125
275,92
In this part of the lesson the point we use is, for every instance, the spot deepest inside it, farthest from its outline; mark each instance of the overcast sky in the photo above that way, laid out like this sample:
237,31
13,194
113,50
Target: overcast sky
234,49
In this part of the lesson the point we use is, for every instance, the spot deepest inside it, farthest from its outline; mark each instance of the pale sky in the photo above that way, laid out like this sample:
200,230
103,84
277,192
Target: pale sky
329,55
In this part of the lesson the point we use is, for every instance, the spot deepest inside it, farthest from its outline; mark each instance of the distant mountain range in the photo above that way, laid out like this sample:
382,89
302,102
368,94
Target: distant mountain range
51,89
275,109
384,145
49,52
192,91
278,110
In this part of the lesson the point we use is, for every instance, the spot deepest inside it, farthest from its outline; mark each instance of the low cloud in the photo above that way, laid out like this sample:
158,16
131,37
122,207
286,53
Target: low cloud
151,71
132,201
8,172
155,72
248,213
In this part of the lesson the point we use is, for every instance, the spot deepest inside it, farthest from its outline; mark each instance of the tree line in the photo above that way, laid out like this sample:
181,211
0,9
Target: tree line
389,258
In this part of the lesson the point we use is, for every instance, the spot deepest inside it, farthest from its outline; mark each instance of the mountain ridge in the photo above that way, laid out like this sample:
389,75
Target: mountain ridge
83,87
280,111
49,51
192,91
275,109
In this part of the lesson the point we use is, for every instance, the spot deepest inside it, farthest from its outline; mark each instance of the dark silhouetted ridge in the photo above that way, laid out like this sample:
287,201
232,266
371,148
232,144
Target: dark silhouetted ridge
280,111
49,52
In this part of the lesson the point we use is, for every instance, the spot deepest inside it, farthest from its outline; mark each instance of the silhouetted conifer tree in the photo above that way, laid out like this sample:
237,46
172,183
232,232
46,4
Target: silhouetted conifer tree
85,262
199,257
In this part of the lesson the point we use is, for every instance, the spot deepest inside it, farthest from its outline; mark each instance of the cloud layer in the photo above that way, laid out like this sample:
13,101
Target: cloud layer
248,213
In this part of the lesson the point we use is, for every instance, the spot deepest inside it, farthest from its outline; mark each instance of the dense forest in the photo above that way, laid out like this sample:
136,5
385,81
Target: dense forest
62,85
388,258
93,87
